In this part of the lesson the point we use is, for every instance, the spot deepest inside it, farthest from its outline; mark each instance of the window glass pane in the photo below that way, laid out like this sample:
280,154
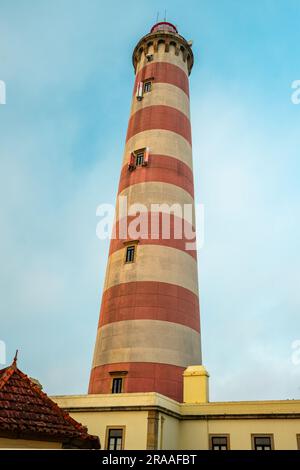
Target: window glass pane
115,432
117,385
119,444
263,440
220,440
147,86
139,158
130,254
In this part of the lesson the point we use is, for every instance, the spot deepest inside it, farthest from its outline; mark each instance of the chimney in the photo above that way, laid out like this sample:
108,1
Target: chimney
195,385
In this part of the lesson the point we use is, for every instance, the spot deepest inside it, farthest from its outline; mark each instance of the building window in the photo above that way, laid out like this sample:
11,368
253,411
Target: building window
115,439
117,384
298,441
262,442
147,86
139,160
219,443
130,252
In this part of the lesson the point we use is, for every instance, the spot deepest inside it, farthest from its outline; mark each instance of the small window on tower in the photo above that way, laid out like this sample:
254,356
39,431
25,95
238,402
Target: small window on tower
130,252
117,385
147,86
139,160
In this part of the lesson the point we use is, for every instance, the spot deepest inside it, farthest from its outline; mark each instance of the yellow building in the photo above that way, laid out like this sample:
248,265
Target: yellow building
135,421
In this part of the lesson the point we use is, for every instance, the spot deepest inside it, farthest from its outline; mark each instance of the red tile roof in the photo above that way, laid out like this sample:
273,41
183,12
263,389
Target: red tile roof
28,413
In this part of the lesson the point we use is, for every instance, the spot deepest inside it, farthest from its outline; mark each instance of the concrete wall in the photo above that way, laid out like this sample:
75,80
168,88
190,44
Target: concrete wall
134,422
169,433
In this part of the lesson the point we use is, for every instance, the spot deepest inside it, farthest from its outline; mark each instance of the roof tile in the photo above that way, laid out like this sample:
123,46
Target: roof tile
25,409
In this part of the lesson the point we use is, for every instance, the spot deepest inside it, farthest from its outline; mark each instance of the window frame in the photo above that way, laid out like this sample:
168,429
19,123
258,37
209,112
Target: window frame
127,248
147,86
127,244
139,153
254,436
114,378
212,436
111,428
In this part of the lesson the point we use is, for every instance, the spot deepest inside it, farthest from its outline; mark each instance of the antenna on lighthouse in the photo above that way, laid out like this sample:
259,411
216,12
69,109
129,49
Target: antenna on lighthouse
165,19
157,16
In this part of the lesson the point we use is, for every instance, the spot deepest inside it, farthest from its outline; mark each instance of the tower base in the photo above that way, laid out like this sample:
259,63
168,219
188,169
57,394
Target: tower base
139,377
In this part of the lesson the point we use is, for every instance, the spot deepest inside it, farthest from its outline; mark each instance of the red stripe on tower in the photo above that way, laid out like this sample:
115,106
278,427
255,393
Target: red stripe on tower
150,300
163,72
144,377
160,117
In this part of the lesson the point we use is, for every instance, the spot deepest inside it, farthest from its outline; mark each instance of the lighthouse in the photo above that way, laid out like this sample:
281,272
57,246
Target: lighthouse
149,325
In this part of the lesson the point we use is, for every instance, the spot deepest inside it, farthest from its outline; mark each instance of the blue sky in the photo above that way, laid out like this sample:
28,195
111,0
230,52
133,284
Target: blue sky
68,73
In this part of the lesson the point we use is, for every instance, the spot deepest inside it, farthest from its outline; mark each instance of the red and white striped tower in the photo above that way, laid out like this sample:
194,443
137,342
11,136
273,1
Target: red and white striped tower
149,327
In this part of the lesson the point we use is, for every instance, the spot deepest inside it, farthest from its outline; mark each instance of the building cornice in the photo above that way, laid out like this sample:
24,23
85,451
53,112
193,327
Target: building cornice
183,417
